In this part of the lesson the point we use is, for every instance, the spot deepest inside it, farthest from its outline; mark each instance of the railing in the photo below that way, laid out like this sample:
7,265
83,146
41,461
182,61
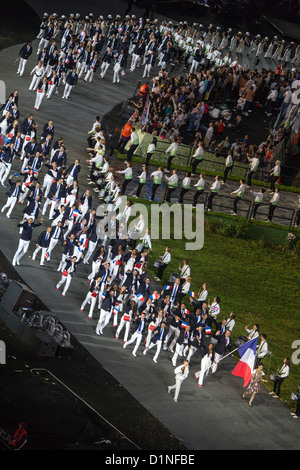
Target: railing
283,215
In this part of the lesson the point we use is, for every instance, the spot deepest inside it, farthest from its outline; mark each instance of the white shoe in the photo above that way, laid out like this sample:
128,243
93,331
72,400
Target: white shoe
133,353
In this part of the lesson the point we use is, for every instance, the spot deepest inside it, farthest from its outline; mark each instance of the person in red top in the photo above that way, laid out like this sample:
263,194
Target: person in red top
125,136
144,90
19,438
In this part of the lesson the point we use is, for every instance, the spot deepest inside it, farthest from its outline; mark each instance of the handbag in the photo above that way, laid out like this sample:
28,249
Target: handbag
273,377
94,294
158,263
126,317
294,396
241,340
152,327
173,277
65,273
139,247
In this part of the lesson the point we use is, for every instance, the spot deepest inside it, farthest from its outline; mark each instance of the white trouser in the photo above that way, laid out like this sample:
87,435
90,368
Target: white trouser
10,204
22,64
177,387
38,99
104,68
91,248
189,351
45,206
69,224
103,320
67,280
42,44
178,352
115,317
62,263
52,245
216,362
89,76
81,68
51,89
5,170
25,164
137,338
67,90
34,82
121,326
116,77
54,205
173,330
205,365
23,195
173,342
44,250
48,180
149,337
135,62
95,269
70,200
147,70
22,249
194,66
91,299
158,345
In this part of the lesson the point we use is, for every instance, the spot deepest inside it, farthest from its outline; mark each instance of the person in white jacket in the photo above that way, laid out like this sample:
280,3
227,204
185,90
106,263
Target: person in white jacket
239,194
36,73
181,373
206,363
172,150
172,184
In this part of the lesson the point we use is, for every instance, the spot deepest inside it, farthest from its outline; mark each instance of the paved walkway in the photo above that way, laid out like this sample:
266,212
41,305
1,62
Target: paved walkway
213,417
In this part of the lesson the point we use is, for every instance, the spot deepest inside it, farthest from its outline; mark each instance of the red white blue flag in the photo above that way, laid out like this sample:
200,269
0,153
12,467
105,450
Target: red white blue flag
245,366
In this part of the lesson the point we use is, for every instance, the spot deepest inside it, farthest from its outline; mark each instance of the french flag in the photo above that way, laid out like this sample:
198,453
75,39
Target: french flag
140,297
245,366
193,294
167,287
115,310
186,311
154,296
208,330
184,324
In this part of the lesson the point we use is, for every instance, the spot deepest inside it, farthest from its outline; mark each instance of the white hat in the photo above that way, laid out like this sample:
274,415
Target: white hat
266,38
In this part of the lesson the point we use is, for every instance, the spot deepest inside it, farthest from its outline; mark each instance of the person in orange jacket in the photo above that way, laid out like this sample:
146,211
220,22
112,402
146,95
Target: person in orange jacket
125,136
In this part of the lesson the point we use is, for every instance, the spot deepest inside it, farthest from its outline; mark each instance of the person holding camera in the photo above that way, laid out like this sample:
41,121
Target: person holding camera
282,373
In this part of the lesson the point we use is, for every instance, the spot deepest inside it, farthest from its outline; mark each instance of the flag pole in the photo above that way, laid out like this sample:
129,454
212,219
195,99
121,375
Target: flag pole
228,354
